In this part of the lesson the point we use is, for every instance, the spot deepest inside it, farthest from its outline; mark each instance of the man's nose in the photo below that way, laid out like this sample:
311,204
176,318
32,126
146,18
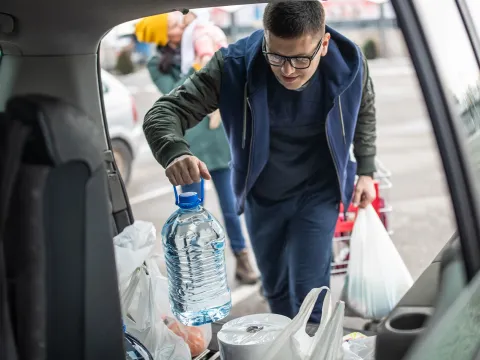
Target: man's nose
287,68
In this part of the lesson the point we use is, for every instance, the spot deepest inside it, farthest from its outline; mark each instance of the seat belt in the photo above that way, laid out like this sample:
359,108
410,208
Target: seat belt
14,140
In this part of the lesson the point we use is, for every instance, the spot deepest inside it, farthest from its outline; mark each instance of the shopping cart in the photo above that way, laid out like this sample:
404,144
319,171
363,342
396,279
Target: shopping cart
346,219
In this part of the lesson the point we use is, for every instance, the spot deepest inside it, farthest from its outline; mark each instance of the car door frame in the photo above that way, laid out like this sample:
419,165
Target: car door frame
120,205
459,177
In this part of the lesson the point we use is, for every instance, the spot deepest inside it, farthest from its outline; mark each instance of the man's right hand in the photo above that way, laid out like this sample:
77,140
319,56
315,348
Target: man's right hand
186,170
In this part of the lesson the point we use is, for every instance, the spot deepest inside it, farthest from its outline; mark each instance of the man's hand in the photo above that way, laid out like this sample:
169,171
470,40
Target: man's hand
186,170
364,192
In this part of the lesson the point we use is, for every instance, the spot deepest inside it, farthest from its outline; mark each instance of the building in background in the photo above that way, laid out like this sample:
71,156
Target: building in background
364,21
370,23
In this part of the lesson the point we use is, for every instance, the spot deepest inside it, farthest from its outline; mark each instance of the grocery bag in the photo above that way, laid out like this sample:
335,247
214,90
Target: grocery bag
132,247
326,344
359,349
196,337
143,319
377,277
140,283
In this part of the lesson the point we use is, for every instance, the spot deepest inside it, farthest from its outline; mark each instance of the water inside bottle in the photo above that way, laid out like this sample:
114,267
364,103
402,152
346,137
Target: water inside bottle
194,243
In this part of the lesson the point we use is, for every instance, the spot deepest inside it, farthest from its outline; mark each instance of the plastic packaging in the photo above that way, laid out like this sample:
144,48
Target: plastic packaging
140,282
377,276
359,349
144,321
326,344
132,246
196,337
248,337
194,244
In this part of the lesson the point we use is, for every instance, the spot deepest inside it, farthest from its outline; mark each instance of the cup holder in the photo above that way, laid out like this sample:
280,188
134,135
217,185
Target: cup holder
408,321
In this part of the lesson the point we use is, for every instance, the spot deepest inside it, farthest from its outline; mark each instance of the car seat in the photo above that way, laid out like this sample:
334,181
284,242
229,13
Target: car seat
58,283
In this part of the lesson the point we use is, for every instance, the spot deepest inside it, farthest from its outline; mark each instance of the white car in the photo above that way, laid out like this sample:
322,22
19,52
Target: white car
124,125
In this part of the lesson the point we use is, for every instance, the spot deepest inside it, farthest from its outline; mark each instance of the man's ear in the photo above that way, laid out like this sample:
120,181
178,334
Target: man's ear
325,42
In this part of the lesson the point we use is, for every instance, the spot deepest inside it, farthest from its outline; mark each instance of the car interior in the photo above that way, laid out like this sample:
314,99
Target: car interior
62,198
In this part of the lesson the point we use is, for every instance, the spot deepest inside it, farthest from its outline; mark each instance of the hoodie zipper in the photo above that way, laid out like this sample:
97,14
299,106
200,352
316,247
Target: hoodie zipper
247,106
330,147
341,119
245,113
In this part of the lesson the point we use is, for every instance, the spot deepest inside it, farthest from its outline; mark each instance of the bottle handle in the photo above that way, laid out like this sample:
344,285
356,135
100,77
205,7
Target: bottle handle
200,196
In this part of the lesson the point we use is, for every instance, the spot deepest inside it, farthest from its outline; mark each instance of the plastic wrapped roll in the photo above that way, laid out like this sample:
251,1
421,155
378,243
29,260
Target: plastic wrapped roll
248,337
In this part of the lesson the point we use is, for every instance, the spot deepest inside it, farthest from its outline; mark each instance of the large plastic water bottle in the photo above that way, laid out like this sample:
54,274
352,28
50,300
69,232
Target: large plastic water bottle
194,244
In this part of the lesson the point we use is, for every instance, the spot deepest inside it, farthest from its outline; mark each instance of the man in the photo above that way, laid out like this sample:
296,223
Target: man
297,103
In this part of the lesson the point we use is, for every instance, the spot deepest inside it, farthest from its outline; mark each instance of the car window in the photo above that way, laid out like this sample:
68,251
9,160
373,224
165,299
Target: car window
474,10
105,87
458,69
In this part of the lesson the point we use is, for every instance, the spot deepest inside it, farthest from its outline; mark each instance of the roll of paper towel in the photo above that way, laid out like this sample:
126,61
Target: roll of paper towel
248,337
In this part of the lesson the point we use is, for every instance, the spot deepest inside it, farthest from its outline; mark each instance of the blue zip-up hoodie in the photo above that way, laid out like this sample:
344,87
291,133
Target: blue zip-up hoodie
244,108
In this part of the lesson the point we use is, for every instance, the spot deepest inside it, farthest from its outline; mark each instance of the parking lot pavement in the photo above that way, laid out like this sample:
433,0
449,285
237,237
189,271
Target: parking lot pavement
422,216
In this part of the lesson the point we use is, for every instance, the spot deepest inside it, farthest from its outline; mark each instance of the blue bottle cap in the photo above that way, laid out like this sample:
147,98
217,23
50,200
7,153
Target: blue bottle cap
188,200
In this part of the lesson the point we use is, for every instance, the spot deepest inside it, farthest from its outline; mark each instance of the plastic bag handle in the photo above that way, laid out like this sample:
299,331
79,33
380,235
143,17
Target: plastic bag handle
299,322
201,195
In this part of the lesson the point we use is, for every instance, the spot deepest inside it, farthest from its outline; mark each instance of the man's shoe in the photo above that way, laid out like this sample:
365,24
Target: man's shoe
244,271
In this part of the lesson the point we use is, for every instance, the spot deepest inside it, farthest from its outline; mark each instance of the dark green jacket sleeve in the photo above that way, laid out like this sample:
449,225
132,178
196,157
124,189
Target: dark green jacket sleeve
364,141
171,115
182,79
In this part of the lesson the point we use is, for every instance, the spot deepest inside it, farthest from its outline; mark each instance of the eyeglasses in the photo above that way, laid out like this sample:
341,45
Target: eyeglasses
298,62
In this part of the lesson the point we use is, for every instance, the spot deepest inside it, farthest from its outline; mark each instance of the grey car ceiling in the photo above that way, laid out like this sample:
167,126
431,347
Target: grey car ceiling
67,27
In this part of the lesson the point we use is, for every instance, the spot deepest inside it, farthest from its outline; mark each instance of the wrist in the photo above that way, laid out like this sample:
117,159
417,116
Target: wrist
365,165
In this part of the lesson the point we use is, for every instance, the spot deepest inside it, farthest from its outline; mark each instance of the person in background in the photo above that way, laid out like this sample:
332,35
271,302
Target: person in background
164,30
207,140
298,106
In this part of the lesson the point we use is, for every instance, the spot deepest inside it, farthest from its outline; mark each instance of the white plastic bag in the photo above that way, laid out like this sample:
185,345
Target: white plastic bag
139,285
132,247
377,276
359,349
326,344
143,319
196,337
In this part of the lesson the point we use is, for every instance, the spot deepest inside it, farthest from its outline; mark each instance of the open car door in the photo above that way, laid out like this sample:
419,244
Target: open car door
439,317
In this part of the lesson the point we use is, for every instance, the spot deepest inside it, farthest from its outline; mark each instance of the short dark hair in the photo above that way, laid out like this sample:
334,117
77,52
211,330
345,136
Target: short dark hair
293,19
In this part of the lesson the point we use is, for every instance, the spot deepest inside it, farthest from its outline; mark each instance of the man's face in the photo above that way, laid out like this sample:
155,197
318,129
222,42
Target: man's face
294,61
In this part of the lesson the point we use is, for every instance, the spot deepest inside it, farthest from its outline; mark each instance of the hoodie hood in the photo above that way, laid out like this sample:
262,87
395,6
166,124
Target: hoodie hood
341,64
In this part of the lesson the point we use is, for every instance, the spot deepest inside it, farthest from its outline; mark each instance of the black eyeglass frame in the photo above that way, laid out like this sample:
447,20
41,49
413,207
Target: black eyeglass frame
290,59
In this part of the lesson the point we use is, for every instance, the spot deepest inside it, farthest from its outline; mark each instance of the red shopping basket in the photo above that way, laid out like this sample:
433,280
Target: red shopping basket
346,220
345,223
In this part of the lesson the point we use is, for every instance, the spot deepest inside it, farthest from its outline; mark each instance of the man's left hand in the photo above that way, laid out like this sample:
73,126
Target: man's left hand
364,192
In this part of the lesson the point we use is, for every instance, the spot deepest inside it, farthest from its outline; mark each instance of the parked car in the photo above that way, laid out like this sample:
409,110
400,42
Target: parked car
124,126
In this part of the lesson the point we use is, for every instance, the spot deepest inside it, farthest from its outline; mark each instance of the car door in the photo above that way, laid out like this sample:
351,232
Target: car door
438,318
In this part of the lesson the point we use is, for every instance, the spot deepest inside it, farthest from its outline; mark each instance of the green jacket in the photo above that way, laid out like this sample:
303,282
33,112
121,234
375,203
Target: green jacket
209,145
171,116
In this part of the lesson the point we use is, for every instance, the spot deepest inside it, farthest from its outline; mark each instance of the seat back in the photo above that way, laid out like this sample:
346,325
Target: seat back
59,261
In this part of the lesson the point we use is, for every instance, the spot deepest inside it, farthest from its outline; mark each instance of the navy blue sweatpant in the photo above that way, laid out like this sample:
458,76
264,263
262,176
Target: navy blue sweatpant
292,242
